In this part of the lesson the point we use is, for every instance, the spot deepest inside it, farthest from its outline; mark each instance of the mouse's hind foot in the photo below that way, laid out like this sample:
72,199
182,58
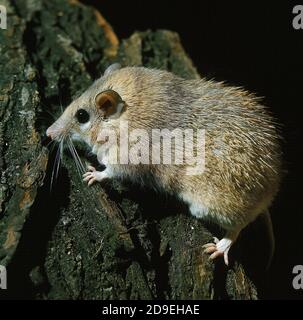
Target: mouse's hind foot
221,247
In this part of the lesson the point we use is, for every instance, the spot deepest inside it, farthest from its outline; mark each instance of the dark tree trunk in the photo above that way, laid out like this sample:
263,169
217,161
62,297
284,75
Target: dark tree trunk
75,242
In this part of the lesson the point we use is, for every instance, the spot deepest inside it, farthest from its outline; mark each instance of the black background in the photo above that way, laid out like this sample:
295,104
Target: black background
251,44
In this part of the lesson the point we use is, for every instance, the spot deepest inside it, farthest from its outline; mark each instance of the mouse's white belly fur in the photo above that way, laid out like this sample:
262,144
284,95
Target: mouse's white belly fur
199,210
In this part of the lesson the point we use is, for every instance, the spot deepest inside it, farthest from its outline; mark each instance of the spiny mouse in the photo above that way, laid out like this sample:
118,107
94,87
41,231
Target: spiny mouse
242,145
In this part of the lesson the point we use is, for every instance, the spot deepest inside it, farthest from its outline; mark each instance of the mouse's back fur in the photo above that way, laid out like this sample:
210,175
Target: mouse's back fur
243,163
242,149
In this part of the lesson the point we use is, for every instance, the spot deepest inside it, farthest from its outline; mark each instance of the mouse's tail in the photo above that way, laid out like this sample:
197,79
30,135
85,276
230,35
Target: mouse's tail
266,218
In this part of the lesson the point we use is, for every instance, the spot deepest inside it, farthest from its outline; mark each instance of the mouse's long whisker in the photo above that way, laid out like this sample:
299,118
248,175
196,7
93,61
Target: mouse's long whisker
81,167
60,149
79,159
55,168
47,111
78,162
51,145
74,157
61,105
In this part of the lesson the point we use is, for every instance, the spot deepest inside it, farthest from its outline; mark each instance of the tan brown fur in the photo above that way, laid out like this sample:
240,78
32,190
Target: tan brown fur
243,155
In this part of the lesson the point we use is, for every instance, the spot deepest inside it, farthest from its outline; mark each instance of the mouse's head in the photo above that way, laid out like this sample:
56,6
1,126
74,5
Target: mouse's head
82,119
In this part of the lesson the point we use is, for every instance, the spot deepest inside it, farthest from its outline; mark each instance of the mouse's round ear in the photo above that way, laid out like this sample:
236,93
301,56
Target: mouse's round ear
113,67
109,104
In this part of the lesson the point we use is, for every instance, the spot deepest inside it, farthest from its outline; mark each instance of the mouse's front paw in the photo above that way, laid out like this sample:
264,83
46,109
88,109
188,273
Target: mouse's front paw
93,175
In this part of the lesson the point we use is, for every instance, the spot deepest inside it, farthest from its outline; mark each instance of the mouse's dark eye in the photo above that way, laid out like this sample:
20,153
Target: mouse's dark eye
82,116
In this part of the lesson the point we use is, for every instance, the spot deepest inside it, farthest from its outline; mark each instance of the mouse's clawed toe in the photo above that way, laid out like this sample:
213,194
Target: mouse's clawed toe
91,169
93,175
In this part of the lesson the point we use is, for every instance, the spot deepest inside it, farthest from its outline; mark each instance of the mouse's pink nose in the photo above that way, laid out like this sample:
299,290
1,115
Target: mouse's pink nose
52,132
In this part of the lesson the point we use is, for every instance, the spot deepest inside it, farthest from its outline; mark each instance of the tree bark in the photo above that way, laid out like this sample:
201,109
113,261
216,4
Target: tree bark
73,242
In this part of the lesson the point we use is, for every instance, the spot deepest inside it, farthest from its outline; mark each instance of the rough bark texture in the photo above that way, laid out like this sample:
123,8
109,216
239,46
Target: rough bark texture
75,242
